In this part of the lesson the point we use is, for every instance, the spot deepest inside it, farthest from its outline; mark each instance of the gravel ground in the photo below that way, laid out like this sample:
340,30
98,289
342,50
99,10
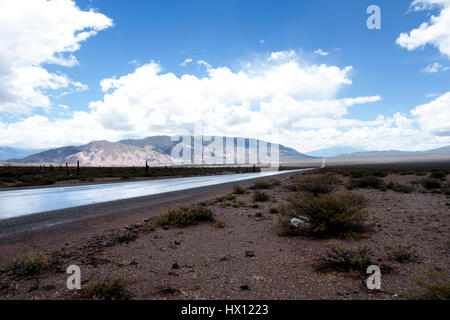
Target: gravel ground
246,259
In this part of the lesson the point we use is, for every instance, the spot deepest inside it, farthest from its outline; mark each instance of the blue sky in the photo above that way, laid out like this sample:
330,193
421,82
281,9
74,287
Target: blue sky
233,34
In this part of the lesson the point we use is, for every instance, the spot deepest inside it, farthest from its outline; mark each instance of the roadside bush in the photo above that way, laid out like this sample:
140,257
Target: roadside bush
184,216
319,184
336,214
260,196
230,197
108,289
262,185
239,190
346,260
433,285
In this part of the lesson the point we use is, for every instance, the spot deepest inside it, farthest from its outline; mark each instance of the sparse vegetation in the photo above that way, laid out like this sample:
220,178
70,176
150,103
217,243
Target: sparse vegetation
260,196
262,185
399,187
239,190
317,185
402,254
107,289
366,182
184,216
219,224
433,285
230,197
431,183
345,259
24,266
336,214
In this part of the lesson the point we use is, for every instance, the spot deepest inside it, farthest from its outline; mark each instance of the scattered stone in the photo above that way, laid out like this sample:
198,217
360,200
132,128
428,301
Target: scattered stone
147,220
249,253
165,227
245,287
225,258
175,266
177,242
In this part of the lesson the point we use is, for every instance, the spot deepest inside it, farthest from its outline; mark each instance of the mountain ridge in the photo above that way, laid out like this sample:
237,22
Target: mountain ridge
155,150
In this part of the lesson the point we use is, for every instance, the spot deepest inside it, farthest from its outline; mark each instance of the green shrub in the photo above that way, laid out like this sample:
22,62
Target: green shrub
24,266
330,214
239,190
225,204
434,285
230,197
184,216
399,187
261,185
438,174
108,289
345,260
238,204
319,184
219,224
402,254
260,196
430,183
368,182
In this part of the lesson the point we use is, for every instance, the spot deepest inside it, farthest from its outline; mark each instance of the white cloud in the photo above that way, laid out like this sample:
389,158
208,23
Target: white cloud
281,55
262,41
297,101
435,32
434,117
185,62
435,67
33,33
320,52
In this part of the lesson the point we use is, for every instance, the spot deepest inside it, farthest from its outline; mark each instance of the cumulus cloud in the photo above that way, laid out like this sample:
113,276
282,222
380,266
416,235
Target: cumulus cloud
320,52
282,96
435,32
434,117
38,32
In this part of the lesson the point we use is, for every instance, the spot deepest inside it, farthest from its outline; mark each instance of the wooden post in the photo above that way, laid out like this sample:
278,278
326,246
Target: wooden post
67,169
146,168
78,167
60,167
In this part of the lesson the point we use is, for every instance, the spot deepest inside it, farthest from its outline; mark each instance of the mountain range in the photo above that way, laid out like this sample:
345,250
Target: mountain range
154,150
15,153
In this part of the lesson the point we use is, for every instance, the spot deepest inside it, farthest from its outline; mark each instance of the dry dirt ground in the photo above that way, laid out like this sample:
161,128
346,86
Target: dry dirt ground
204,261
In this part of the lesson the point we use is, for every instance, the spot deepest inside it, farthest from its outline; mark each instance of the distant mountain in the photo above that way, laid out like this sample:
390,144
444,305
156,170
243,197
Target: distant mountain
394,153
333,151
155,150
15,153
